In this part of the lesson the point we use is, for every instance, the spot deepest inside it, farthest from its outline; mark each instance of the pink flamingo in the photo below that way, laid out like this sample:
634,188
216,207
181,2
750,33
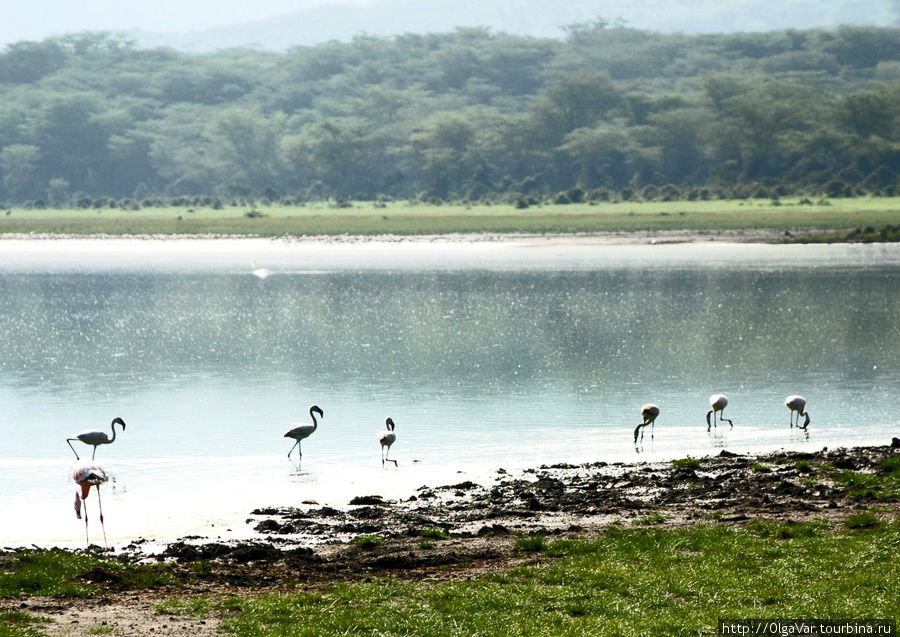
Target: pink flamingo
86,475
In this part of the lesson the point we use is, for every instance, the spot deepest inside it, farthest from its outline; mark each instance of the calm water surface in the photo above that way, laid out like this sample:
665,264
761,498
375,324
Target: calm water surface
485,355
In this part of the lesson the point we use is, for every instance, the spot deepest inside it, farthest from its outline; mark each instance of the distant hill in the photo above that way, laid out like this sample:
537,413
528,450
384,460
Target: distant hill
539,18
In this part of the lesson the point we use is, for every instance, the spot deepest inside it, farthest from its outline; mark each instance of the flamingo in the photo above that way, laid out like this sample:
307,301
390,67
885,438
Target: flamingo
387,438
298,432
649,412
86,475
96,437
718,402
798,404
261,273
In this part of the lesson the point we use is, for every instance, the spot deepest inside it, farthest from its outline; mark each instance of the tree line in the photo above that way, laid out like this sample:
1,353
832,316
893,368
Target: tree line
470,115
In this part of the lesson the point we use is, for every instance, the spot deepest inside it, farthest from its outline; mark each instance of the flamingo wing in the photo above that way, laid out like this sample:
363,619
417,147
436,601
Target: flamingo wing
93,437
299,432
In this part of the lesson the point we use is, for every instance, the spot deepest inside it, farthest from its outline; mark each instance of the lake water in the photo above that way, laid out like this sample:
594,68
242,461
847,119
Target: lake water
486,355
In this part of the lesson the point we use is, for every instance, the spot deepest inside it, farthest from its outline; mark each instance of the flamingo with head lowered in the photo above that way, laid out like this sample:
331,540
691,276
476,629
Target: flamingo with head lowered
96,437
717,403
798,404
86,475
649,413
298,432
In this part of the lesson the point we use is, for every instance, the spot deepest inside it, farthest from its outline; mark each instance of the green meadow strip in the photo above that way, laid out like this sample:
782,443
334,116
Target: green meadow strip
863,218
635,581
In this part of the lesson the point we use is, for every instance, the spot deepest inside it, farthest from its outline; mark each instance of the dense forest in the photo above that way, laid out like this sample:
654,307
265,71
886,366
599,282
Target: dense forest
470,115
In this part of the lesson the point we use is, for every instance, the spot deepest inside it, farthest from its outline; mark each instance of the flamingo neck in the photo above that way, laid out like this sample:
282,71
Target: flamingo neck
312,415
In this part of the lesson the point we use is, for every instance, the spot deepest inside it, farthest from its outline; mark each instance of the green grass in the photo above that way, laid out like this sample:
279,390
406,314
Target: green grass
192,607
58,572
644,581
627,581
884,483
865,520
650,520
690,463
368,541
530,543
14,623
402,218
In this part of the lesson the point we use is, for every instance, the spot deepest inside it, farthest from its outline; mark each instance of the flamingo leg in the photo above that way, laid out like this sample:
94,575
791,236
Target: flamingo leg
69,442
87,539
722,417
387,454
102,525
296,444
94,453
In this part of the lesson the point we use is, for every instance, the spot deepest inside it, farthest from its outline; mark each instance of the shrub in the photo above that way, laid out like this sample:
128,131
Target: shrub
368,541
837,188
690,463
530,544
862,521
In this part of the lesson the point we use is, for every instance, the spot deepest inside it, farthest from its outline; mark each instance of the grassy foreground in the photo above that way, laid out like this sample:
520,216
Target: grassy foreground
406,219
627,581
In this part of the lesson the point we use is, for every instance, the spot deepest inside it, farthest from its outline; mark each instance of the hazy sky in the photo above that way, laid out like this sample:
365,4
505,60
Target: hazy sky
38,19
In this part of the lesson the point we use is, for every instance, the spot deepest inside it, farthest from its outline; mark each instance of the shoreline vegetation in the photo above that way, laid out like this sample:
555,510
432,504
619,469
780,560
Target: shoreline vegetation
608,549
788,220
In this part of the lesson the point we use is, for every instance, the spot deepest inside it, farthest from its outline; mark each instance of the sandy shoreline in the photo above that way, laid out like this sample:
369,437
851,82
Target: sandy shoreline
596,238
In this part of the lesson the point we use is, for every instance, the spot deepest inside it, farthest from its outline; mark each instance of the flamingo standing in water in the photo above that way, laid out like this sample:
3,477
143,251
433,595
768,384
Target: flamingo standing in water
96,437
86,475
387,438
798,404
718,403
649,412
299,432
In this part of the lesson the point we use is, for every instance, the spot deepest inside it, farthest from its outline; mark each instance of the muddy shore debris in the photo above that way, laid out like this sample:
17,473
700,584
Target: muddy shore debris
441,529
